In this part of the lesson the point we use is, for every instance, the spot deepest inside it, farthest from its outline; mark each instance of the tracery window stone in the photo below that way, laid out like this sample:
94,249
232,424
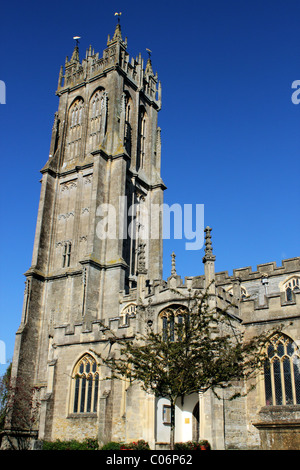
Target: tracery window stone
85,385
127,312
282,372
292,285
97,119
142,138
169,316
74,132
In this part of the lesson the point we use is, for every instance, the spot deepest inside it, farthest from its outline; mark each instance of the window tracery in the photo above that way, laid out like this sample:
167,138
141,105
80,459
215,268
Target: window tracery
97,113
127,130
290,286
142,138
74,132
282,372
169,317
85,385
128,311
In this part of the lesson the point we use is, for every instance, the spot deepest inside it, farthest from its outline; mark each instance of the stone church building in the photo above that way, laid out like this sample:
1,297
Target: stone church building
105,154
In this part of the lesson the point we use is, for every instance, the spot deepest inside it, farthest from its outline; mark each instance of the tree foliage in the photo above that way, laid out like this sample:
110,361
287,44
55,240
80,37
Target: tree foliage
20,407
206,350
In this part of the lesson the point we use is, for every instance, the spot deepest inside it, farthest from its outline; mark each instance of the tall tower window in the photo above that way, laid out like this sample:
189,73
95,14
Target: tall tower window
282,372
96,113
74,133
85,386
142,139
143,142
127,130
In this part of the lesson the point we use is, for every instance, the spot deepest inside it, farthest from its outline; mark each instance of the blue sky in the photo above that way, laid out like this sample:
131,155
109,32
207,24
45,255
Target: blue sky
230,132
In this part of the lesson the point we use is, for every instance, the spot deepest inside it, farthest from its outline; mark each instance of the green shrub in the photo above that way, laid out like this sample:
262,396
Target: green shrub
112,446
86,444
192,445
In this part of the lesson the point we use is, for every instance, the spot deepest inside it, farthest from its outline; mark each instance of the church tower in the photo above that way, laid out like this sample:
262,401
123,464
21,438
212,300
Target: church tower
103,169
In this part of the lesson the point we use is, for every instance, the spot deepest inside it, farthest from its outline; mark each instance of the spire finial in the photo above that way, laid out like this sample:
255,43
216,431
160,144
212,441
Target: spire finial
117,34
77,40
149,70
118,15
173,269
208,246
75,55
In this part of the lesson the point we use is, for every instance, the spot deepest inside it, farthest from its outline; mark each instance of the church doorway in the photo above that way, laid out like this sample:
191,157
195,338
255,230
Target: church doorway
196,423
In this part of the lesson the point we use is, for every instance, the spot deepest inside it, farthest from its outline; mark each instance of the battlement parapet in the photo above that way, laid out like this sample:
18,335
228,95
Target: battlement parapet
289,266
275,307
94,331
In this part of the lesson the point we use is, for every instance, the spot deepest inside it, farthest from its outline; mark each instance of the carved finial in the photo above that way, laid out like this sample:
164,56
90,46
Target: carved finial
61,76
208,246
173,269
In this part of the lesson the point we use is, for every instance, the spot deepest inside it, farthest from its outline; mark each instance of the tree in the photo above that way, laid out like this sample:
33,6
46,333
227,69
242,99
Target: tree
19,411
202,351
4,389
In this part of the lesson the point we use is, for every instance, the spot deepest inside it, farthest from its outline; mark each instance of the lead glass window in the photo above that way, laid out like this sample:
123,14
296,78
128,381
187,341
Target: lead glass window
292,285
169,317
282,372
74,133
85,386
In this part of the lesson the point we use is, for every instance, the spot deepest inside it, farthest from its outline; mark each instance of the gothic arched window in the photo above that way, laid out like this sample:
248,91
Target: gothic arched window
95,119
128,312
282,372
142,138
85,385
292,285
74,132
127,130
169,317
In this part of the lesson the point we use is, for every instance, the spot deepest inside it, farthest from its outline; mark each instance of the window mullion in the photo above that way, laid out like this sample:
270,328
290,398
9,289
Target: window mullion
272,382
282,381
293,380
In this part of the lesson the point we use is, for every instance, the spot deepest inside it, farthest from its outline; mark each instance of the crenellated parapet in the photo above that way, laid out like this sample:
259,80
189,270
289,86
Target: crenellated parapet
275,308
289,266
